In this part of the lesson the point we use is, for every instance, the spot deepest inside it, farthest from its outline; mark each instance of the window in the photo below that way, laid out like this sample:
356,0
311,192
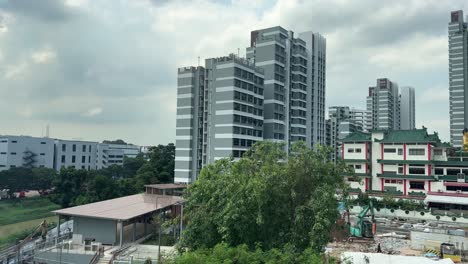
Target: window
64,147
84,148
357,167
457,188
73,159
358,150
417,170
350,150
2,153
400,169
83,159
417,152
13,153
438,152
400,151
416,185
389,150
12,166
89,159
63,158
42,154
43,143
14,141
453,171
74,148
2,166
439,171
89,148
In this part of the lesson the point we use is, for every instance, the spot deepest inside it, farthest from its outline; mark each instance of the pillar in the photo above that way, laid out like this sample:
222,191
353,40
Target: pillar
382,184
121,233
134,229
145,219
404,187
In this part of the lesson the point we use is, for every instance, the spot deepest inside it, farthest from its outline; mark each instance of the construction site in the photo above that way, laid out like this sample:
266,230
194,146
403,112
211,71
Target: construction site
371,237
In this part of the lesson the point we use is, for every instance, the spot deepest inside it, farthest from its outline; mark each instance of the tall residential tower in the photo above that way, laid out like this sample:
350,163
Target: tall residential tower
407,108
277,93
294,83
219,113
384,104
458,74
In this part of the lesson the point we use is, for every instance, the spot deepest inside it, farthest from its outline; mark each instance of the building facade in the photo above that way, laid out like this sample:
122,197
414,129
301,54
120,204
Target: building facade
458,74
220,113
341,125
29,152
409,164
383,103
276,93
361,117
294,70
407,108
40,152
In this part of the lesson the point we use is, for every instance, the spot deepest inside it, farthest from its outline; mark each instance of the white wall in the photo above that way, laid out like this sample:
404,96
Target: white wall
13,148
82,149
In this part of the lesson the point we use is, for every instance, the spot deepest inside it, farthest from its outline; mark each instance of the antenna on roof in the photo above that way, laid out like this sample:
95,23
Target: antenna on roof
198,61
238,52
47,131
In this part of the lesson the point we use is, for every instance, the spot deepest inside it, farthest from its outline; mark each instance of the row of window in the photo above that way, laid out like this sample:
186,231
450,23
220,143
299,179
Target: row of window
83,148
240,142
299,103
247,120
16,141
279,97
73,159
299,78
413,185
297,112
248,87
238,153
354,150
248,98
248,76
278,136
247,131
248,109
412,151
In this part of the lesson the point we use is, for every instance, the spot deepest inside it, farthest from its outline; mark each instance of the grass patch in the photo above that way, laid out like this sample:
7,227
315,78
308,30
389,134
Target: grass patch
21,210
10,233
166,240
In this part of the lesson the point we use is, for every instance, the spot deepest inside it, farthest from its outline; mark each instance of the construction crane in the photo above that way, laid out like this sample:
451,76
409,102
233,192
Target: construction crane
364,228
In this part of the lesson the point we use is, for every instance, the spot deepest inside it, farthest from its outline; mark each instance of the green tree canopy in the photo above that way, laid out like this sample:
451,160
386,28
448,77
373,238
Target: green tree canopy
267,198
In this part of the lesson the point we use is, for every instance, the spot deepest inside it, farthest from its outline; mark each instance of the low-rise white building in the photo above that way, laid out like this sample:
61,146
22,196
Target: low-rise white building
23,151
29,152
409,164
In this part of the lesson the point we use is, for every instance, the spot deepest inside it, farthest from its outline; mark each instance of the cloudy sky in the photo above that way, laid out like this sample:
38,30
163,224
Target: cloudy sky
106,69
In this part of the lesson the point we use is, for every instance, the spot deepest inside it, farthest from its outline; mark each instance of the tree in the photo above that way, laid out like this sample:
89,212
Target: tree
267,198
159,168
116,142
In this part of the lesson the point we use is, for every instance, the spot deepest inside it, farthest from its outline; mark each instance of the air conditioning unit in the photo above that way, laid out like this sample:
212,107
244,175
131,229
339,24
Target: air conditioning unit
459,191
439,190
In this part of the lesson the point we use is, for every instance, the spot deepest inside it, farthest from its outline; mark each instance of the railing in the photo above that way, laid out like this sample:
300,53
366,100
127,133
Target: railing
97,255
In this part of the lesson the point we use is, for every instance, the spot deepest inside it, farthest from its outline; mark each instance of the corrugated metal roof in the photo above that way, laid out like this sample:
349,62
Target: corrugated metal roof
123,208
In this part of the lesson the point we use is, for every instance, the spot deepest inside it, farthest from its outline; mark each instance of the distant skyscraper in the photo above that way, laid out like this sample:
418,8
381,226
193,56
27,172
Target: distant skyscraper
341,124
383,103
407,108
458,74
362,117
294,83
219,113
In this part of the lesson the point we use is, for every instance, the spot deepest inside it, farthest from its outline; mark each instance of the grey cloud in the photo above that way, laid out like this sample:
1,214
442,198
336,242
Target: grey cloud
46,10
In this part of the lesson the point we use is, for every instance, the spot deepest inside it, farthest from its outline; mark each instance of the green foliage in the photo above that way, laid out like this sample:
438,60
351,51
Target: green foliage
223,253
159,168
266,198
21,179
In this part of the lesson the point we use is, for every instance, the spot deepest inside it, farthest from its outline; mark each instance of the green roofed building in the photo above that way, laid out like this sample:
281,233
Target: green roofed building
411,164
